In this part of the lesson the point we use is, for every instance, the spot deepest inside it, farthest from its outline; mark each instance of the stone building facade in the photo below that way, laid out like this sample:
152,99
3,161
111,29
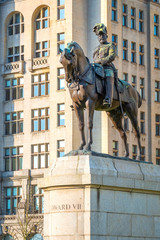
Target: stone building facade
37,123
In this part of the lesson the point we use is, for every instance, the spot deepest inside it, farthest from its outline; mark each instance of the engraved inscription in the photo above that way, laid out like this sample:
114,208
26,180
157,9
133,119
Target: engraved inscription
67,207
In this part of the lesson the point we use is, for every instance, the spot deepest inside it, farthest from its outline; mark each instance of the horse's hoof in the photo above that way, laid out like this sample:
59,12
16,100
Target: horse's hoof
87,148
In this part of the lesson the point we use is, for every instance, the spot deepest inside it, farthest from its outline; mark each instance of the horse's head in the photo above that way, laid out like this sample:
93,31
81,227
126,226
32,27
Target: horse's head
70,60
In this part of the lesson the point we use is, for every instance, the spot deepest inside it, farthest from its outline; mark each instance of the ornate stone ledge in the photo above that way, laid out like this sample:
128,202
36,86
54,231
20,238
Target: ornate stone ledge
14,67
38,63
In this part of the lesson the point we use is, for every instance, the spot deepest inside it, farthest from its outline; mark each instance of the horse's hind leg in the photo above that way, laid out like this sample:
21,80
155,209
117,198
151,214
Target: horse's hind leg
80,116
132,112
116,117
90,105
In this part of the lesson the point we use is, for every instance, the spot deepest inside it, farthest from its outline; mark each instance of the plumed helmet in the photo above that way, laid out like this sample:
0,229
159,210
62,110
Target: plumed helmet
99,28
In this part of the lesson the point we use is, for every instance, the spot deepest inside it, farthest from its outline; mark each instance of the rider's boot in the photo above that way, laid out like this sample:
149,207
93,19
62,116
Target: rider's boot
109,86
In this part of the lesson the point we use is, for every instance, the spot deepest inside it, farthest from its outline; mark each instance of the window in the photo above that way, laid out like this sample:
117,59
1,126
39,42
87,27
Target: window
60,9
156,25
125,77
40,155
157,119
40,119
15,54
38,196
141,54
142,89
125,49
60,42
142,122
16,24
157,91
40,85
158,156
114,10
13,123
42,19
37,237
61,79
115,148
155,1
133,18
156,58
142,153
42,49
60,148
125,17
134,81
134,152
13,196
13,157
14,88
133,52
141,21
61,114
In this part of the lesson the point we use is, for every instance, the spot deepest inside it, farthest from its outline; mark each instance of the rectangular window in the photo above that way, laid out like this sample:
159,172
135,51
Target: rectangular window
141,54
40,155
60,9
61,79
40,119
125,15
13,123
134,152
158,156
156,58
61,114
142,154
42,49
134,81
157,91
142,89
115,148
141,21
13,196
38,199
60,148
142,122
133,52
60,42
114,10
14,88
125,49
157,120
15,54
13,158
125,77
133,18
156,25
40,85
126,123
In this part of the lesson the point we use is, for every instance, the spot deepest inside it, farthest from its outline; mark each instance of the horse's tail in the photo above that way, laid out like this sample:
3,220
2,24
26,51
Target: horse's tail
139,99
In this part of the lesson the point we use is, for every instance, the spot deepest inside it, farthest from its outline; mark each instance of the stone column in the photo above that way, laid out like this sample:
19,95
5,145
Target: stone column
97,198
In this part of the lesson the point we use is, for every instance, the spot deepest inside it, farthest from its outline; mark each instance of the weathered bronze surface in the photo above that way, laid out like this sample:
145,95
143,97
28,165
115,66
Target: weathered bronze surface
88,90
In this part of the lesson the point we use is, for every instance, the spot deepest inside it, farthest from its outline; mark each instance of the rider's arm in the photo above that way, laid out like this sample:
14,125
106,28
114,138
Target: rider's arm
111,56
96,58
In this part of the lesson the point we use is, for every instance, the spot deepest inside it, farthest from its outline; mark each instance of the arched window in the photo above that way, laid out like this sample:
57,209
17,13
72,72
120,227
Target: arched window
8,237
42,19
41,32
37,237
14,44
16,24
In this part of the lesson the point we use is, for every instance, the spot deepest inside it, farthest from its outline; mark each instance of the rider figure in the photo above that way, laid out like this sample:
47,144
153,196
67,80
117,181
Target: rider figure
105,54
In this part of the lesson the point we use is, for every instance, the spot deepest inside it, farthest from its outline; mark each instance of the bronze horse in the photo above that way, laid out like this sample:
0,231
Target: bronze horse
78,71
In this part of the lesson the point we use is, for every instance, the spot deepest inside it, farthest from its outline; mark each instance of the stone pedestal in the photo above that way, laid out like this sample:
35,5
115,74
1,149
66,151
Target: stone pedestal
96,198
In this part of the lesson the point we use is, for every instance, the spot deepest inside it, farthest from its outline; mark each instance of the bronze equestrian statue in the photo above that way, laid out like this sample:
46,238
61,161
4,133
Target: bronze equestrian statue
92,86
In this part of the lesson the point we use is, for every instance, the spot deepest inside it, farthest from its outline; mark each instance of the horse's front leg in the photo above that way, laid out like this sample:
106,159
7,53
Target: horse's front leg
80,116
90,105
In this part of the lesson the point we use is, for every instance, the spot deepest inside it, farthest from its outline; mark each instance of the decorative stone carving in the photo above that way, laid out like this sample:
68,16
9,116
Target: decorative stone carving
14,67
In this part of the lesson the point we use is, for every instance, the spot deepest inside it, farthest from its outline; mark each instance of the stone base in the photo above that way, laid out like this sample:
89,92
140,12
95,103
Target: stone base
96,198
